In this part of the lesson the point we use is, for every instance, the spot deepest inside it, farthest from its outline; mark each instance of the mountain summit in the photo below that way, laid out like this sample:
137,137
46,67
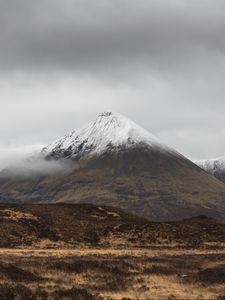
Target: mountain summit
109,132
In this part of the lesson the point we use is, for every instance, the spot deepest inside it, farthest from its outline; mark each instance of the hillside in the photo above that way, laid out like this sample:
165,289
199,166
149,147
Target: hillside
64,225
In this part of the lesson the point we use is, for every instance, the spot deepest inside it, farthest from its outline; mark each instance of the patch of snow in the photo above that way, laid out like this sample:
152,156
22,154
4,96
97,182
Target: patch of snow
110,131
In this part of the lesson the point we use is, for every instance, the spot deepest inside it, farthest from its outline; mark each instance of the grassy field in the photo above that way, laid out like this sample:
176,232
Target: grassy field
103,273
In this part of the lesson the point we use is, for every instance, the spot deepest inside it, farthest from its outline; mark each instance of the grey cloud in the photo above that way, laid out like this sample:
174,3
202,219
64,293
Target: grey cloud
90,36
161,63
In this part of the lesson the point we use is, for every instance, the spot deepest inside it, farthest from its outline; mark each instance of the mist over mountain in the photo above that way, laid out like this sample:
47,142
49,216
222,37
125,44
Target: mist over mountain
16,154
35,166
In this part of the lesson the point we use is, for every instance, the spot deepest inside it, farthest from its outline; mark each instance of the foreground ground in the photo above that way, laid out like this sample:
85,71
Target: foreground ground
93,273
87,252
72,226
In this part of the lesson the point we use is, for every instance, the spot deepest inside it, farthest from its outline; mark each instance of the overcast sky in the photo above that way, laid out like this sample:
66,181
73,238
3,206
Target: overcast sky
159,62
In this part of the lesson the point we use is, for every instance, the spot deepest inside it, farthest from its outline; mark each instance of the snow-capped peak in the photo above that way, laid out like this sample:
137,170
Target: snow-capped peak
110,131
212,165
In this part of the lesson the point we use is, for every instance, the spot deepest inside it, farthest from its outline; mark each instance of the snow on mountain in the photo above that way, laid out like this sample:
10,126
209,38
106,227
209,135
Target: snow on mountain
109,132
212,166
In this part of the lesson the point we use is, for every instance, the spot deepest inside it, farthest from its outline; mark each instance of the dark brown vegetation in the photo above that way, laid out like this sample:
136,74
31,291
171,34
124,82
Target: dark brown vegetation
99,275
69,226
87,252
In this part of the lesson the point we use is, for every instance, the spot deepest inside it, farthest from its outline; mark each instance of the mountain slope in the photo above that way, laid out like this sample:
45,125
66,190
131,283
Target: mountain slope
115,162
214,167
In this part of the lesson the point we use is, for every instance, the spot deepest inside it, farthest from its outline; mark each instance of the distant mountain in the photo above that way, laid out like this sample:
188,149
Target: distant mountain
215,166
115,162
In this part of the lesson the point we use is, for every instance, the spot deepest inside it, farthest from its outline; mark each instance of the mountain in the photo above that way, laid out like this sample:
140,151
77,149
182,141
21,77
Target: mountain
115,162
215,166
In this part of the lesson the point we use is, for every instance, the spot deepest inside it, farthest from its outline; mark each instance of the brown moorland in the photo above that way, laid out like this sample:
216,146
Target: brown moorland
97,274
87,252
75,225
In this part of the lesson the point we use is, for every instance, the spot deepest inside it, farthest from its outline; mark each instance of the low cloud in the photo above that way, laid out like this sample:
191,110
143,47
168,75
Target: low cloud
26,162
13,155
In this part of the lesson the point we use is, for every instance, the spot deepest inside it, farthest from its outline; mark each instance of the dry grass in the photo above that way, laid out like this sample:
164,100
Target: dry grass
64,226
87,252
16,215
137,274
